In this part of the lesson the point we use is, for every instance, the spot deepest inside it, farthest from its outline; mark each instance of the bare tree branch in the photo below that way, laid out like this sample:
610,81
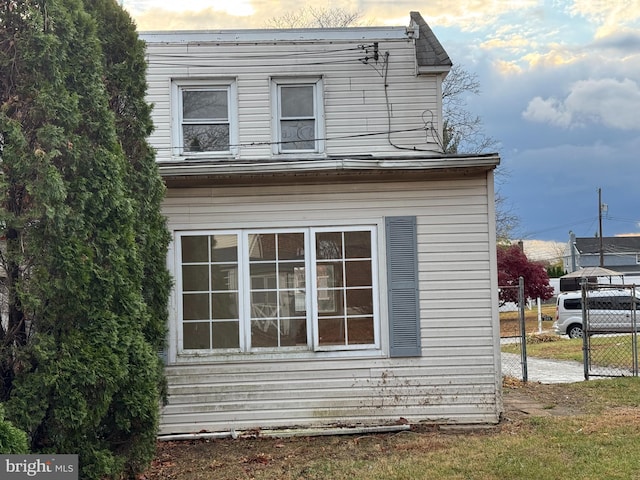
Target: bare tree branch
311,17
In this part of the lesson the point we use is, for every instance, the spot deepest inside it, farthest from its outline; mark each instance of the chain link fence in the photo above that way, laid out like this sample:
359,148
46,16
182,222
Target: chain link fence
610,330
513,334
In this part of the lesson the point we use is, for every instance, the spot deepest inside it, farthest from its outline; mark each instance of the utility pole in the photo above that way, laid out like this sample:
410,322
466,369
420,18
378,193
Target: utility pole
600,226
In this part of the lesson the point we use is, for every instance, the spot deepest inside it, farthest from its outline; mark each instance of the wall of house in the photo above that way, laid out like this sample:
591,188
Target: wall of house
356,102
455,380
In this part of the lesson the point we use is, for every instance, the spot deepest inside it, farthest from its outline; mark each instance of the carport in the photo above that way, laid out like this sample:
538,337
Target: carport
572,281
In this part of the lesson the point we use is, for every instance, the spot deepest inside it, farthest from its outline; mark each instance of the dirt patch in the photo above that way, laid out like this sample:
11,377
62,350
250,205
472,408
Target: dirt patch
536,399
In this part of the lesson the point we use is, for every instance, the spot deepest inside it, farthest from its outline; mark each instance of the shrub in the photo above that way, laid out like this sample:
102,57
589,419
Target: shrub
12,439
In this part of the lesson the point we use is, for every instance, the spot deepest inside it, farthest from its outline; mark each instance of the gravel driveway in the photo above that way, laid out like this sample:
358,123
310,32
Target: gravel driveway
543,370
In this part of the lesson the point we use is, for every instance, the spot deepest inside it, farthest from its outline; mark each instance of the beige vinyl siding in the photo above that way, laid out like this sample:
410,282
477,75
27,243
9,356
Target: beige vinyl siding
456,379
354,93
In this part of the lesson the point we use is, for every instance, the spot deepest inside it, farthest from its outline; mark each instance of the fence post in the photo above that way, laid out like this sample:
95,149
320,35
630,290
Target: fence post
585,327
523,331
634,328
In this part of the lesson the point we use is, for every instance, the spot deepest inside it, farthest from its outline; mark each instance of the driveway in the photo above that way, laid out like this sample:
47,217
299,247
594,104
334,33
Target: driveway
543,370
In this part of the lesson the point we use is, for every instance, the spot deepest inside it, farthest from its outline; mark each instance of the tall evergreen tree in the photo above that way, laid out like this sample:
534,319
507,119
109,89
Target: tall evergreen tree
83,322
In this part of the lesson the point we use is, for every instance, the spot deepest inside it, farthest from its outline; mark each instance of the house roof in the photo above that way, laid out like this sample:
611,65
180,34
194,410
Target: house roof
593,272
328,170
430,54
589,245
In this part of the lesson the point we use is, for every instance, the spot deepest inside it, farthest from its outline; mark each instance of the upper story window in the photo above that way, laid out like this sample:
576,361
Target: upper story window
204,117
299,114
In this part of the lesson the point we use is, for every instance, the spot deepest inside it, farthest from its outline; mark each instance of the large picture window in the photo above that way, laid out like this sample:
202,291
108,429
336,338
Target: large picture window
204,116
286,290
299,115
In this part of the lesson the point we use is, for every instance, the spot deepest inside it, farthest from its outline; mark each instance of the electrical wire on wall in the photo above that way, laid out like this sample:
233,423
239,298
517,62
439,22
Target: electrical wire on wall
428,126
180,149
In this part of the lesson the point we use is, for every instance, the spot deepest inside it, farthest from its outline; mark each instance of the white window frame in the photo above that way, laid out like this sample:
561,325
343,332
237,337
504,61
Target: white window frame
244,301
177,142
316,82
374,285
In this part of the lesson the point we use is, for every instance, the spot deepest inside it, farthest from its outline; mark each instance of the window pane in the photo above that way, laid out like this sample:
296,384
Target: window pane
360,301
195,278
195,249
292,303
262,247
330,302
205,137
329,275
358,273
360,331
196,336
224,248
264,304
293,332
224,277
226,335
263,276
224,306
292,275
331,331
205,104
298,134
290,246
195,306
328,245
357,244
296,101
264,333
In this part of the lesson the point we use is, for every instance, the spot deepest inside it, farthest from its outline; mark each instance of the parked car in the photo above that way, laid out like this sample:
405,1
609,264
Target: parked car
609,310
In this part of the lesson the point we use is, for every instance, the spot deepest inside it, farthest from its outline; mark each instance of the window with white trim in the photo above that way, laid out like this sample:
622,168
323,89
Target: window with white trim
278,290
204,117
299,115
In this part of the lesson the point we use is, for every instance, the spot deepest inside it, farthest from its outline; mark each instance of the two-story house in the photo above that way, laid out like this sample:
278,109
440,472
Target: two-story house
331,264
620,254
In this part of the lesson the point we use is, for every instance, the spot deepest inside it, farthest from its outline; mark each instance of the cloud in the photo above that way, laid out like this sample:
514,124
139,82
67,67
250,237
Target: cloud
472,15
608,102
610,16
550,111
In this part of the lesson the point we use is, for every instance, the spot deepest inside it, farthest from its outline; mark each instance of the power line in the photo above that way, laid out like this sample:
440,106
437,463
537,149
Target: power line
425,128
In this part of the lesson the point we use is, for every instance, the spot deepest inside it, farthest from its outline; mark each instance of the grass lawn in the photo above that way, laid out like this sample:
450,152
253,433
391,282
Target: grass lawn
606,351
510,321
587,430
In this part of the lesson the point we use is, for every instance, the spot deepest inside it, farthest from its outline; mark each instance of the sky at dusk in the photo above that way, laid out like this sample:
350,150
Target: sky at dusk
560,92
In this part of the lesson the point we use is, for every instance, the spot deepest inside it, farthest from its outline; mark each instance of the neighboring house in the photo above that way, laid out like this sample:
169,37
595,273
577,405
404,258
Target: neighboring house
331,265
621,254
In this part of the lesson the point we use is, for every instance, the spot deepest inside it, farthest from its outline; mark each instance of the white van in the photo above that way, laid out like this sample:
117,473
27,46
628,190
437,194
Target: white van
610,311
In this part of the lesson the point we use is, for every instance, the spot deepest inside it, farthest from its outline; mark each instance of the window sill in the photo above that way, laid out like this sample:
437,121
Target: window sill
234,357
202,157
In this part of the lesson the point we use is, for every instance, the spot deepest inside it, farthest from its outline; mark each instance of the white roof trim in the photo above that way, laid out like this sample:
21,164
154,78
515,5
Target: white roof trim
235,168
288,35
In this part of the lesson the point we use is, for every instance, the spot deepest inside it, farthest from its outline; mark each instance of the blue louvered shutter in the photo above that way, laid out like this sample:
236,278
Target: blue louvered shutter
402,281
